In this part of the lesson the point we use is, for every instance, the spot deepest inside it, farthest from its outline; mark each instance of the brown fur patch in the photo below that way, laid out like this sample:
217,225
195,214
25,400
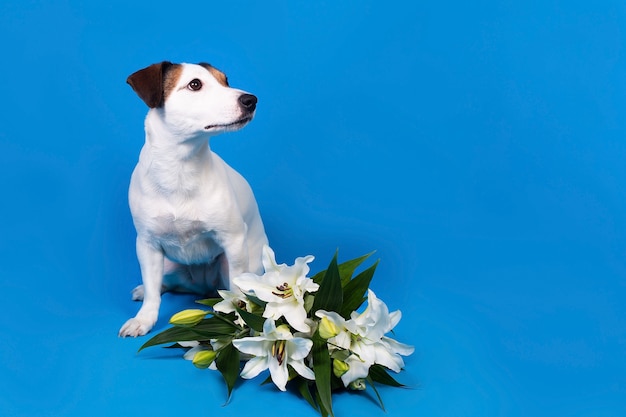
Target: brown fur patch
219,75
170,79
148,83
153,84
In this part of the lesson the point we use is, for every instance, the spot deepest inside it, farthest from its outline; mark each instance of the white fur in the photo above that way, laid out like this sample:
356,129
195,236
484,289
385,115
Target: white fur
197,221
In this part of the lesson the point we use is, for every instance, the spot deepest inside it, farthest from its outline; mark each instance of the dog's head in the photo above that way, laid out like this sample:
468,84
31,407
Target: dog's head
193,98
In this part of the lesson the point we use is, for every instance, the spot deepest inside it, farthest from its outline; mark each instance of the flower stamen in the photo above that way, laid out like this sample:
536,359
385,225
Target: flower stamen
284,291
278,351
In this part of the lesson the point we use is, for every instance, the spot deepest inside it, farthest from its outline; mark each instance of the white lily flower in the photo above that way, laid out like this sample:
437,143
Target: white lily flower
282,287
376,320
231,301
274,349
364,336
357,369
371,343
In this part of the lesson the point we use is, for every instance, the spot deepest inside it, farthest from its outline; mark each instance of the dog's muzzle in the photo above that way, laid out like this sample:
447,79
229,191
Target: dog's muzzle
247,102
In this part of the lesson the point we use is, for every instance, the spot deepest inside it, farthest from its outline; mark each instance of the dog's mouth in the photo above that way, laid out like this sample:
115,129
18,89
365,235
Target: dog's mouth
237,124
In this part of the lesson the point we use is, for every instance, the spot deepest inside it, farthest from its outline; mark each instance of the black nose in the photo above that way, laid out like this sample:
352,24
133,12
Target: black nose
248,102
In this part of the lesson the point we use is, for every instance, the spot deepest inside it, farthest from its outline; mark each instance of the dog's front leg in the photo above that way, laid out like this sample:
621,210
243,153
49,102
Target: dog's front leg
237,261
151,263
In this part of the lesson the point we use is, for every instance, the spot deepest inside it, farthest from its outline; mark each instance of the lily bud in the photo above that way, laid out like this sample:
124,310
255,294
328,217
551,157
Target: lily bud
188,318
328,329
204,358
283,328
340,368
357,385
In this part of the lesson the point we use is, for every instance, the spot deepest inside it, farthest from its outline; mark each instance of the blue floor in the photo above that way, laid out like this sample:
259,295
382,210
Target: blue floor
478,147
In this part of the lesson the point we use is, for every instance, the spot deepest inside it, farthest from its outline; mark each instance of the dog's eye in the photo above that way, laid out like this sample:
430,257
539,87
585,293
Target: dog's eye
194,85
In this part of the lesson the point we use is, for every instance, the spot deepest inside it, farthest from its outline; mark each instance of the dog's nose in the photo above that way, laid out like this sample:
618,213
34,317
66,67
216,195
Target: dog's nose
248,102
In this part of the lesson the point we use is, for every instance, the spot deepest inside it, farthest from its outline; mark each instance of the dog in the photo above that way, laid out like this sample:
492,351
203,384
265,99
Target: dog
197,221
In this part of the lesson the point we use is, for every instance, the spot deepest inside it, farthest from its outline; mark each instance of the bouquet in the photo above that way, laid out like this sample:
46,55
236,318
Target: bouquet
310,332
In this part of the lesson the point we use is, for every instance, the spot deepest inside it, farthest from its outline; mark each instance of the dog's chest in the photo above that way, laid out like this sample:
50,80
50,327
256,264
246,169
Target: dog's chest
187,241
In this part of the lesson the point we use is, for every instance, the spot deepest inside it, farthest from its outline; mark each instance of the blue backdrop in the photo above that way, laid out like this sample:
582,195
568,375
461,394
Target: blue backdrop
478,147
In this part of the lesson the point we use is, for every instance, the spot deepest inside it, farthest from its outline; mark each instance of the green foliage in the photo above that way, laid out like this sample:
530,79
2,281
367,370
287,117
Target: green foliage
211,328
209,301
228,362
380,399
379,373
255,322
346,269
355,290
329,297
323,370
304,388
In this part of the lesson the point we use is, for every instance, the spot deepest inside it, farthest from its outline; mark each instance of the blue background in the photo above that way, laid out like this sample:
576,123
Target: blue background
478,147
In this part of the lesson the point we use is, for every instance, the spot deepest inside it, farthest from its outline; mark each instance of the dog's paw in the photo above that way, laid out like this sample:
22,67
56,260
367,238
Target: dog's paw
135,327
137,293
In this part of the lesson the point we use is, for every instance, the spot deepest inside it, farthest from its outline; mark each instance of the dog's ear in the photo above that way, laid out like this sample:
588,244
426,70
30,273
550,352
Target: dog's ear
148,83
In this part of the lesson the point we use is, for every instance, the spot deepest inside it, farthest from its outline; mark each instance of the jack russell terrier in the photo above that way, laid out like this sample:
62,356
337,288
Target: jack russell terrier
198,224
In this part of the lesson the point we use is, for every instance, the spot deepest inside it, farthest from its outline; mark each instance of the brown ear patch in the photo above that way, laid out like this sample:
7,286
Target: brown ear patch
149,82
170,79
219,75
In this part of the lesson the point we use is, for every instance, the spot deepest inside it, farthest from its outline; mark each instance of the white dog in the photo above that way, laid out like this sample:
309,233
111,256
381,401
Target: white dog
197,222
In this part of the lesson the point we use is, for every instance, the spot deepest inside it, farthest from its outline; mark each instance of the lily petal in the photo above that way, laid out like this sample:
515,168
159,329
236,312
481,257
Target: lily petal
257,346
387,359
247,281
279,373
397,347
357,369
269,259
302,369
342,340
334,317
299,348
254,367
394,319
296,317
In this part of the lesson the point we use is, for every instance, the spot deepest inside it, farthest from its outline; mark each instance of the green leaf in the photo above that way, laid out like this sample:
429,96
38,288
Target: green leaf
175,346
252,320
380,399
379,374
355,291
304,390
329,297
256,301
341,354
209,301
173,334
322,410
211,328
267,380
323,370
335,383
228,362
346,269
308,302
319,277
216,326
